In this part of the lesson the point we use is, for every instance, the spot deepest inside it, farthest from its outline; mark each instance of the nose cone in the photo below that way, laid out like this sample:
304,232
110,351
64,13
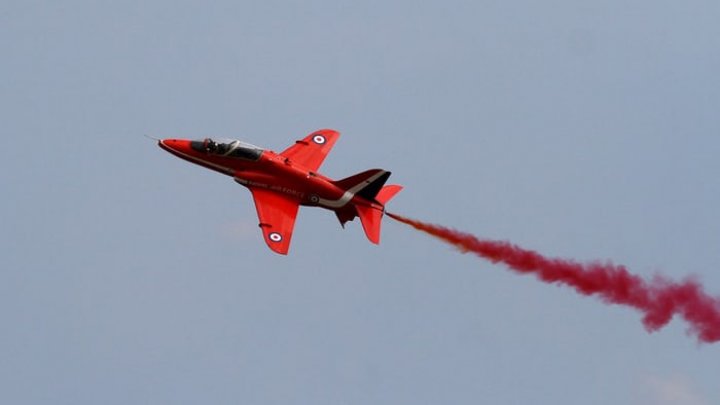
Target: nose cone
175,145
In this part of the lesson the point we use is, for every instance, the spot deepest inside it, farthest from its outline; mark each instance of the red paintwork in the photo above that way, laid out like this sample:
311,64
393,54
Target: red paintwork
282,181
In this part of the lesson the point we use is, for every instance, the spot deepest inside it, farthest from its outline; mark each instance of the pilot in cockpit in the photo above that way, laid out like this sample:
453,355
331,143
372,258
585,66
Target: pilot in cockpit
215,147
209,145
234,149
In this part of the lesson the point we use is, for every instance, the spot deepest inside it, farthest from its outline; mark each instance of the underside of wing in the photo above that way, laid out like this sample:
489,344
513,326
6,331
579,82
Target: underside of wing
277,214
311,151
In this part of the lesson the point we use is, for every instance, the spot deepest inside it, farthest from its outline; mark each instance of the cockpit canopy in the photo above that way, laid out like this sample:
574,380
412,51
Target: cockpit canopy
230,148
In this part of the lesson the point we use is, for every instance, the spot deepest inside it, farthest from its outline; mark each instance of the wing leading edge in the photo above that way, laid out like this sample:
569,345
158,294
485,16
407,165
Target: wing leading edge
276,214
311,151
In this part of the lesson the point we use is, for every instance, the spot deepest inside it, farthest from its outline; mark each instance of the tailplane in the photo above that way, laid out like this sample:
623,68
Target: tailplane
371,218
387,193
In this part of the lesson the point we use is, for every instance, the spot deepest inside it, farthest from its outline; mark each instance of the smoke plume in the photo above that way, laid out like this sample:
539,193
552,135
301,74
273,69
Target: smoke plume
658,299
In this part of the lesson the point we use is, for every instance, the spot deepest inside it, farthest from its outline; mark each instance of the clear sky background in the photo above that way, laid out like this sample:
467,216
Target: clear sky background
581,129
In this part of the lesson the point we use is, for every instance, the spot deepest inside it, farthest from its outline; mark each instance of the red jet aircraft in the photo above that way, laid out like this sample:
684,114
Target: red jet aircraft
281,182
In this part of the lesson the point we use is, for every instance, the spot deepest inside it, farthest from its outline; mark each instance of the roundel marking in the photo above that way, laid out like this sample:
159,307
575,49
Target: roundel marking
314,199
319,139
275,237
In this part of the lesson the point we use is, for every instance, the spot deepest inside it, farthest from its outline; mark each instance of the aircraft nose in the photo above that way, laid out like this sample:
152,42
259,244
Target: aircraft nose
173,144
167,142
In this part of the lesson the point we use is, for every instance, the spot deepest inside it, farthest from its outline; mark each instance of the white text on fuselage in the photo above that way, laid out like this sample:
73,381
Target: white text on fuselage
274,187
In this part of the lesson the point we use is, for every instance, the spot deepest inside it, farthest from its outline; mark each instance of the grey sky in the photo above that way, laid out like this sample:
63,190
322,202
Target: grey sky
580,129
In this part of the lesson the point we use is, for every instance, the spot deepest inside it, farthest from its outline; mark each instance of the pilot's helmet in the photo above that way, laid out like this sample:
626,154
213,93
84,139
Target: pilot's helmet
209,144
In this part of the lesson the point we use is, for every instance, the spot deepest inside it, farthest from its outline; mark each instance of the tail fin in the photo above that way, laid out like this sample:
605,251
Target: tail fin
370,185
371,218
366,184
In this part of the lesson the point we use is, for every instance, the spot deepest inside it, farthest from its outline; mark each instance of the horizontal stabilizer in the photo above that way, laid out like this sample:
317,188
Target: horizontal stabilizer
387,193
371,219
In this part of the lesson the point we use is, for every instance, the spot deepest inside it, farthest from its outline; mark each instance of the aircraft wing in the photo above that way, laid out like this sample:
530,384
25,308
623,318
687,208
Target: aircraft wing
312,150
276,213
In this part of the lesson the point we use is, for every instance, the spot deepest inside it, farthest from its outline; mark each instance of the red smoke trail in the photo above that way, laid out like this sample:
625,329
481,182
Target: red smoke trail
658,299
